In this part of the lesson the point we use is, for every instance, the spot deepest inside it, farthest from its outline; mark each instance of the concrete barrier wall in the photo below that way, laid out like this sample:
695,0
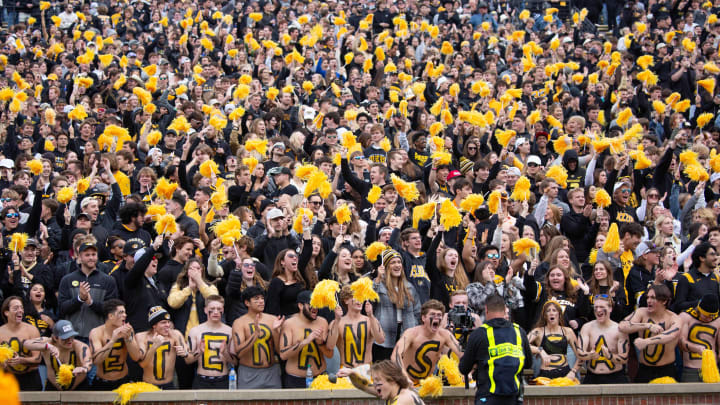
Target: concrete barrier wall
629,394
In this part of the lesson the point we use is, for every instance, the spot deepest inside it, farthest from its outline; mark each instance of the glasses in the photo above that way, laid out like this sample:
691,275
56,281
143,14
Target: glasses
315,202
359,158
163,78
12,215
472,148
602,296
653,195
291,255
5,199
625,190
249,265
533,165
493,255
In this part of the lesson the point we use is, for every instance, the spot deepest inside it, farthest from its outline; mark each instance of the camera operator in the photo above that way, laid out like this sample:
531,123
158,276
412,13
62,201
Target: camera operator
460,320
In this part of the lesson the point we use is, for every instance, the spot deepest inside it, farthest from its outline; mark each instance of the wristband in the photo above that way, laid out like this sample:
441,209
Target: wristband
47,345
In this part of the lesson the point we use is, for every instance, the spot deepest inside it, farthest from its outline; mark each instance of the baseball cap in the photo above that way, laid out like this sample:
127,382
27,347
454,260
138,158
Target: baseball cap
86,246
453,174
309,114
32,242
713,177
280,145
279,170
514,171
304,297
620,184
646,247
63,329
534,159
275,213
7,163
82,214
131,247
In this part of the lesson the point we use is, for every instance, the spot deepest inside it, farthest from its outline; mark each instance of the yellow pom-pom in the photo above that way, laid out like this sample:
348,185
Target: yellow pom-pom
525,246
504,137
558,173
65,195
297,222
374,250
78,113
65,375
258,145
154,138
689,157
322,382
602,198
697,173
709,369
17,242
703,119
659,107
374,194
164,189
431,386
6,353
708,84
624,116
128,391
612,240
554,122
449,368
423,212
166,225
407,190
153,210
521,191
208,168
35,166
663,380
343,214
711,67
645,61
563,382
472,202
562,144
314,182
362,290
324,295
449,215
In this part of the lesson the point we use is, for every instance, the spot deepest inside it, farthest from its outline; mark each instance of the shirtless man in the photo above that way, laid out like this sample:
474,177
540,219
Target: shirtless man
256,337
698,332
355,333
110,344
209,345
159,345
304,344
14,334
659,330
606,345
420,347
62,348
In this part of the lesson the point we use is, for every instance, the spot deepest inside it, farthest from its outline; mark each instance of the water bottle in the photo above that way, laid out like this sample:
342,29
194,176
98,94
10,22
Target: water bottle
308,377
232,379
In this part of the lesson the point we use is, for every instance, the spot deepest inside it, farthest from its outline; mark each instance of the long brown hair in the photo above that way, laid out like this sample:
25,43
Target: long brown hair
183,279
542,322
278,268
595,283
398,296
569,290
391,371
460,277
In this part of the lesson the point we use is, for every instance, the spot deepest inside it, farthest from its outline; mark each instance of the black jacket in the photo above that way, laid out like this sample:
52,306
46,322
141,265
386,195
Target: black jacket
476,353
267,249
578,228
85,317
168,274
692,287
146,293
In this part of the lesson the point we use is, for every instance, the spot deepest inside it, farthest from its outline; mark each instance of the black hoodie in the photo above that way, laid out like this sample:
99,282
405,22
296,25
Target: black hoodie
576,177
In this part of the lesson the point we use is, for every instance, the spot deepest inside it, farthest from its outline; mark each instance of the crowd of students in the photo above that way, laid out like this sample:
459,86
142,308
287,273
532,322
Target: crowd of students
185,174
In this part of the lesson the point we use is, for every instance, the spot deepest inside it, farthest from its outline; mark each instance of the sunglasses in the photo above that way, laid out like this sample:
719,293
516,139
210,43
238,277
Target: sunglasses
5,199
533,165
601,296
653,196
12,215
472,148
359,158
249,265
625,190
291,255
493,255
315,202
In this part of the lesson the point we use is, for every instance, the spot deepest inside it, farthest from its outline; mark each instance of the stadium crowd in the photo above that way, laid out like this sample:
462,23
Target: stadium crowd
178,177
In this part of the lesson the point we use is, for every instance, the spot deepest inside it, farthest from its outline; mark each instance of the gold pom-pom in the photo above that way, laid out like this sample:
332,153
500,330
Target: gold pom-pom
423,212
251,163
449,215
504,137
602,198
343,214
166,225
305,171
521,191
703,119
322,382
554,122
154,138
472,202
645,61
128,391
612,240
525,246
315,182
709,369
707,84
431,386
697,173
143,95
362,290
443,158
208,168
663,380
407,190
374,194
35,166
563,382
325,294
449,368
65,195
165,189
494,201
624,116
219,198
374,250
297,222
562,144
18,241
6,353
65,375
180,125
258,145
682,106
689,157
559,174
153,210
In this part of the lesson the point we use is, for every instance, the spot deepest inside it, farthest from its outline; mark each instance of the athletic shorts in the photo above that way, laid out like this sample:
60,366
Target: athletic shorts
691,375
290,381
555,373
99,384
203,382
613,378
645,374
259,378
